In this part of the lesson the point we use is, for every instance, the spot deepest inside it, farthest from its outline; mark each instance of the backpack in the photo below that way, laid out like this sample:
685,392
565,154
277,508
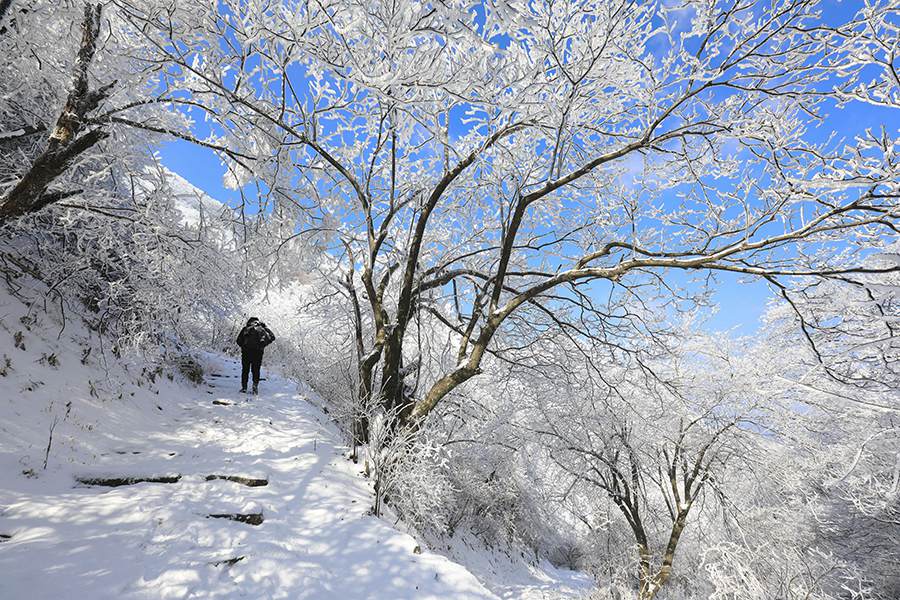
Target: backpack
256,337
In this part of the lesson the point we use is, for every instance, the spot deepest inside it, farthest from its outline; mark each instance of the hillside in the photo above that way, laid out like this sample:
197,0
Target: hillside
85,525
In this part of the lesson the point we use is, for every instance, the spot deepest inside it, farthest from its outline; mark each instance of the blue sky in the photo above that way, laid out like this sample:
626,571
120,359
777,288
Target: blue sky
741,300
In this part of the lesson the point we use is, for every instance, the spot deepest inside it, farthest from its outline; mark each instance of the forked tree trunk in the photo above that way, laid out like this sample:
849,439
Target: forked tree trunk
651,583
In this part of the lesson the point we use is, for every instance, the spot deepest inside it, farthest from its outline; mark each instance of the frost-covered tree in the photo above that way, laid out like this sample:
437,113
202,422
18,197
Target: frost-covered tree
696,470
475,160
77,107
84,205
842,375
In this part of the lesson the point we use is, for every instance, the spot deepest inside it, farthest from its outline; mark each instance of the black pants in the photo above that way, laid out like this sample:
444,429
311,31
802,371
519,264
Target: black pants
250,359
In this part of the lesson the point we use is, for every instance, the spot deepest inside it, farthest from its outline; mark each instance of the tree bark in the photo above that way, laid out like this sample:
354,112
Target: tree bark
30,193
64,146
4,8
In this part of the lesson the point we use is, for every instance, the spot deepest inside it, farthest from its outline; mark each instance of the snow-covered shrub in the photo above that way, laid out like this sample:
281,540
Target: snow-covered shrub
106,233
190,368
409,472
141,277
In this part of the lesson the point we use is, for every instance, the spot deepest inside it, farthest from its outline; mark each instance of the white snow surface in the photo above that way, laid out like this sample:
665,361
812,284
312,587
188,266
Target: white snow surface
153,540
62,539
193,204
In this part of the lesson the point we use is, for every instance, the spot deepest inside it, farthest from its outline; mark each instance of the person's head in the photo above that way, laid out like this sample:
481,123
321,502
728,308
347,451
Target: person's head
251,321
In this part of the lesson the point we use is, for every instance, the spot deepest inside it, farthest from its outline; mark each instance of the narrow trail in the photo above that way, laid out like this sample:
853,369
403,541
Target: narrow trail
260,504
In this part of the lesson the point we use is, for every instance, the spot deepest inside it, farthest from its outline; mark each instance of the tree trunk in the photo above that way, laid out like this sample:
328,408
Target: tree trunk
4,7
64,146
361,424
30,194
365,364
651,583
391,370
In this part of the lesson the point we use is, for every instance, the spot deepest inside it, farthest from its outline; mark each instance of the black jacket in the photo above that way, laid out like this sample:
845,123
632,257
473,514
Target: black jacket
255,336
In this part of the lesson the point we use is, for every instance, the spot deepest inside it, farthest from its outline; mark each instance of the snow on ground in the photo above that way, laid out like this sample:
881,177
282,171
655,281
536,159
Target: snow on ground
513,577
112,418
154,540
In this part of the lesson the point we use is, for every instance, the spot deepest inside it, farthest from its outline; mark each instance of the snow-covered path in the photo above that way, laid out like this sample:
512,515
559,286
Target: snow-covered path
155,540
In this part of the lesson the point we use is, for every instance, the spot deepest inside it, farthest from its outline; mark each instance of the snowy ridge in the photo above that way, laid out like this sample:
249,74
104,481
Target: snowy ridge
194,205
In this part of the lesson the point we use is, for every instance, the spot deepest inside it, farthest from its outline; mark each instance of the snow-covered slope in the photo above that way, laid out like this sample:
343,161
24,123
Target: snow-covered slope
193,204
303,528
156,540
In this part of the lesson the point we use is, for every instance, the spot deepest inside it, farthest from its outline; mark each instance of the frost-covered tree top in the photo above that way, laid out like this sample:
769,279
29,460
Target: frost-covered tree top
509,206
471,159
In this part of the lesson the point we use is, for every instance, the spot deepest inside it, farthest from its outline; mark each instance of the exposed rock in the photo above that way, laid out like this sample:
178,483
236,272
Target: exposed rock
119,481
248,481
228,562
250,519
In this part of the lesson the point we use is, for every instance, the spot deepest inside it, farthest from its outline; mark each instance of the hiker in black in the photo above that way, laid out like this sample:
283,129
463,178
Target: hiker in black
252,339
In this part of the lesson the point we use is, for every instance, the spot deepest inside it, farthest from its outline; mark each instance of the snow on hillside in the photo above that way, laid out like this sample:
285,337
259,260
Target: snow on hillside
194,205
292,524
508,572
